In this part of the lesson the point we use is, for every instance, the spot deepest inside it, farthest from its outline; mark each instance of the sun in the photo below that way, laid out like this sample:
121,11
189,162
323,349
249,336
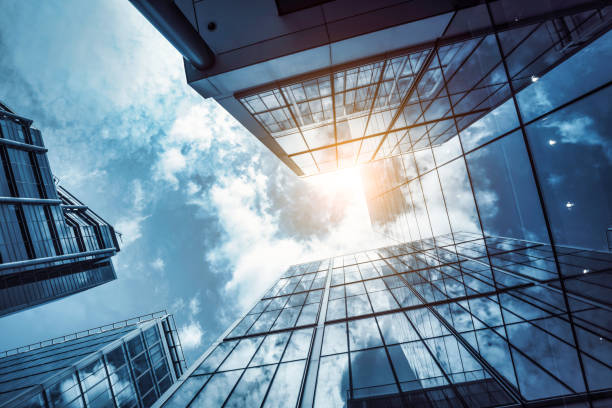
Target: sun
345,182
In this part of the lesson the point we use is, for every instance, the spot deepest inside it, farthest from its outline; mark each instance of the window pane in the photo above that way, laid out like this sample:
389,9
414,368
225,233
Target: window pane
187,391
332,382
216,357
252,387
286,386
371,373
334,339
363,333
505,190
298,345
582,72
572,150
271,349
415,367
358,305
217,389
395,328
242,354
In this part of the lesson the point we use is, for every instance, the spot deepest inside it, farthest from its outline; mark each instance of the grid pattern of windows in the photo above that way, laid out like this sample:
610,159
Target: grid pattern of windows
39,220
123,367
24,173
19,290
459,320
420,99
535,167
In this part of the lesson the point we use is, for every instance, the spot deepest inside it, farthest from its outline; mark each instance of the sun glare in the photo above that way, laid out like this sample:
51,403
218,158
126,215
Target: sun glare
346,182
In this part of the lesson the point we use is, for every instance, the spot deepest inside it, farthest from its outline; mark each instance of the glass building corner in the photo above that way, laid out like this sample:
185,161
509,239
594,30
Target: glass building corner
457,320
51,244
125,364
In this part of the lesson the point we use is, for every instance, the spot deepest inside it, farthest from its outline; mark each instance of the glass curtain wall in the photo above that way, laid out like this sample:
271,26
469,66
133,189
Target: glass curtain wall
415,99
536,167
459,320
126,364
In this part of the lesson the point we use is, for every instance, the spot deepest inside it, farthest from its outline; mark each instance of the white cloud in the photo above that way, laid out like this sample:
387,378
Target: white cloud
130,229
158,264
171,162
256,249
195,130
178,305
191,335
194,304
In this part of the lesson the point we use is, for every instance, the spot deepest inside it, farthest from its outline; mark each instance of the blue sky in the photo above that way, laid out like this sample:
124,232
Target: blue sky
209,217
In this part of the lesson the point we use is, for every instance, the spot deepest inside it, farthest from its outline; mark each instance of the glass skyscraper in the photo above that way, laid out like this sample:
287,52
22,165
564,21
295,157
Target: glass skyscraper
452,321
51,244
482,130
125,364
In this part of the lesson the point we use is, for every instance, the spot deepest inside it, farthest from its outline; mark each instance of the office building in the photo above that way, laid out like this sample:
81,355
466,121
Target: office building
51,244
505,98
482,132
451,321
125,364
328,84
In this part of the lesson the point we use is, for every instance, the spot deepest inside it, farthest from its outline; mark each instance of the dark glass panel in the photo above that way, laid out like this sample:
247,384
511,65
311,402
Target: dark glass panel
371,373
505,190
572,149
582,72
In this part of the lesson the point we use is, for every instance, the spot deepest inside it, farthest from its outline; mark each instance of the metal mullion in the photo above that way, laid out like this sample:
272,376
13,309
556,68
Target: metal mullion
568,103
419,178
263,401
275,319
78,381
508,388
469,176
110,386
563,58
544,210
397,382
435,359
409,92
532,360
471,275
421,115
545,284
298,127
421,305
365,128
310,378
466,92
245,367
333,98
405,214
548,332
413,207
459,115
348,345
210,376
397,78
441,337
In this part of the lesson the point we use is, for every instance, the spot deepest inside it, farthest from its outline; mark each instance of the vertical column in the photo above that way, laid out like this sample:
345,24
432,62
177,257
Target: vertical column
308,390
